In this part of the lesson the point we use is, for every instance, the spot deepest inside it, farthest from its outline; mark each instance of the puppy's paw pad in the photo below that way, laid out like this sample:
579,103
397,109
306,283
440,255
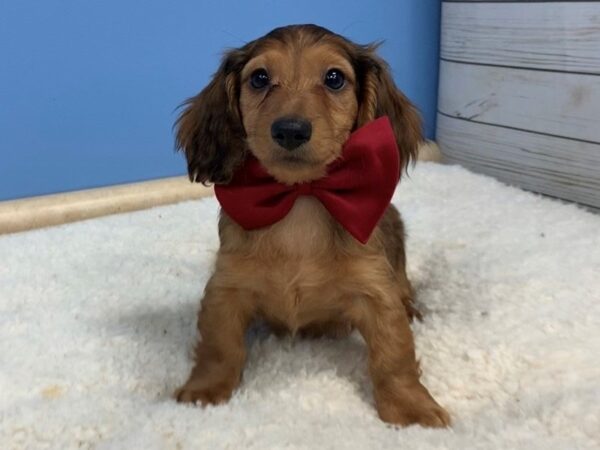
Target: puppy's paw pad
435,417
195,392
414,407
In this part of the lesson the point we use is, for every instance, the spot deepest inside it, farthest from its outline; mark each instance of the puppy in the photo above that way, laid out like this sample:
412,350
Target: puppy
305,273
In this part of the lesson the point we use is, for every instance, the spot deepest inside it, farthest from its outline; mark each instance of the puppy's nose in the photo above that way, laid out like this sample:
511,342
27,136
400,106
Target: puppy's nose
290,133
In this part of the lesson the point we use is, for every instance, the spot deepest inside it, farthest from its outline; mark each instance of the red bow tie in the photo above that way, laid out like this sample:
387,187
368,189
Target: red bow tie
356,191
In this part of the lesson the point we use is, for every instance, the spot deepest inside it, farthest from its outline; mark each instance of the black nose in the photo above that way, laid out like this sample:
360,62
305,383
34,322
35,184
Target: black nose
291,133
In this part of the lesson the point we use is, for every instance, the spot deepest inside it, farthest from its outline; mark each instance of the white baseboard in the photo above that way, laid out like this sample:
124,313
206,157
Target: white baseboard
429,151
56,209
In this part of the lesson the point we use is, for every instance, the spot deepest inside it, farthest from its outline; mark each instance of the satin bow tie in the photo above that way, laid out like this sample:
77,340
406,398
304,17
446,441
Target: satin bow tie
356,191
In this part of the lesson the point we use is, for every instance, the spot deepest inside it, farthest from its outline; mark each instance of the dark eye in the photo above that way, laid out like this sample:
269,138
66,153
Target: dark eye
334,79
259,79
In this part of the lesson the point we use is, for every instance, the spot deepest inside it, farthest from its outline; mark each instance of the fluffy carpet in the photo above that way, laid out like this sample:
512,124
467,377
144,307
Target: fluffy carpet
97,321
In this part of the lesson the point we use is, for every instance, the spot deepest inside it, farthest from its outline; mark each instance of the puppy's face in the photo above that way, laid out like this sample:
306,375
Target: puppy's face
298,105
291,98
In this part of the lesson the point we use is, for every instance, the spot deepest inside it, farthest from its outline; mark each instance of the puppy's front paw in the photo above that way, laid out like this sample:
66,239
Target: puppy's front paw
409,406
197,390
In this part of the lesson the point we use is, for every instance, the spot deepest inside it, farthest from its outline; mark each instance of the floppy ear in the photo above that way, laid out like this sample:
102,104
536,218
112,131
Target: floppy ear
378,96
210,130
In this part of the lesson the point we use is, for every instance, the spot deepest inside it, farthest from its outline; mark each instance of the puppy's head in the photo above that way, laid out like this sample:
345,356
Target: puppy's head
291,98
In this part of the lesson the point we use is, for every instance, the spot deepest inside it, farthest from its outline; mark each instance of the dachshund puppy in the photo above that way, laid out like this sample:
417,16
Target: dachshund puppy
290,100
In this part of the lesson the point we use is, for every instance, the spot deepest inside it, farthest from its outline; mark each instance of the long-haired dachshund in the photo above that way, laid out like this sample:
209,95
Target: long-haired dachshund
290,100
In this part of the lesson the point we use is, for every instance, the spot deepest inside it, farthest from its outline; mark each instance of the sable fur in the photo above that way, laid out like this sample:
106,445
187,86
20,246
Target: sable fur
304,274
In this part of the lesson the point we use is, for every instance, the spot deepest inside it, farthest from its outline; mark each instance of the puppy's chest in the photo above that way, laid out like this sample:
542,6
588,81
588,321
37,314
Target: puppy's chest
292,266
295,257
306,231
296,270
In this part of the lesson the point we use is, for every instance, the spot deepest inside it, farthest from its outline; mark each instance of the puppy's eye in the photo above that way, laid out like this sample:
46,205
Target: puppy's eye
334,79
259,79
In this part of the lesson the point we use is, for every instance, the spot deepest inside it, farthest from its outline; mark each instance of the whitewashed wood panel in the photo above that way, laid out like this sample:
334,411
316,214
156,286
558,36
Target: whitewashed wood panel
554,166
556,36
546,102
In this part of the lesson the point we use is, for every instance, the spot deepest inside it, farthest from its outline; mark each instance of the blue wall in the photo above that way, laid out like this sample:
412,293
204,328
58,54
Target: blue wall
88,88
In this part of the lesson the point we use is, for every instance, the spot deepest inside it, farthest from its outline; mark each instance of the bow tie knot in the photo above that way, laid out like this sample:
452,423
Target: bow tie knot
356,191
305,189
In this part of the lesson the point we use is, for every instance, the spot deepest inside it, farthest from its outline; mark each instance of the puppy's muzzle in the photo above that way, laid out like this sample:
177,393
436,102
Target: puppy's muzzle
291,133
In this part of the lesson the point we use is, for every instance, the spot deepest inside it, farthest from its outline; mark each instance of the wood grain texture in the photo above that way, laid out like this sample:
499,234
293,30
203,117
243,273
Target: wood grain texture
554,166
562,36
56,209
561,104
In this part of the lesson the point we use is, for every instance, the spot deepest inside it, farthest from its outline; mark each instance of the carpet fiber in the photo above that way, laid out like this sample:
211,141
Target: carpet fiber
97,322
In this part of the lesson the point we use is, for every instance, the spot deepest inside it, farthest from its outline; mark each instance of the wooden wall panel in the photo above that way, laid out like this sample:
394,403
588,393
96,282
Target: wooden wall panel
558,167
520,93
562,36
546,102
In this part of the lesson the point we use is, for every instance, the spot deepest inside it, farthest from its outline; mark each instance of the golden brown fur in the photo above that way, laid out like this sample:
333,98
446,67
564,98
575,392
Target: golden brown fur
305,273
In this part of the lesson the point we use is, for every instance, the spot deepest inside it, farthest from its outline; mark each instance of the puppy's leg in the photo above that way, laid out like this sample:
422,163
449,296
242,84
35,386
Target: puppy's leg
220,355
407,295
392,235
399,395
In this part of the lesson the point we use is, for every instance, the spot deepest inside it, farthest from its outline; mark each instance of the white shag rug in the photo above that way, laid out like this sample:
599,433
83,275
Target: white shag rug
97,321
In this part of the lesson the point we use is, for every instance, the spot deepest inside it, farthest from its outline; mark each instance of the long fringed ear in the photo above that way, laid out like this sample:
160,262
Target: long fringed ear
379,96
209,130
